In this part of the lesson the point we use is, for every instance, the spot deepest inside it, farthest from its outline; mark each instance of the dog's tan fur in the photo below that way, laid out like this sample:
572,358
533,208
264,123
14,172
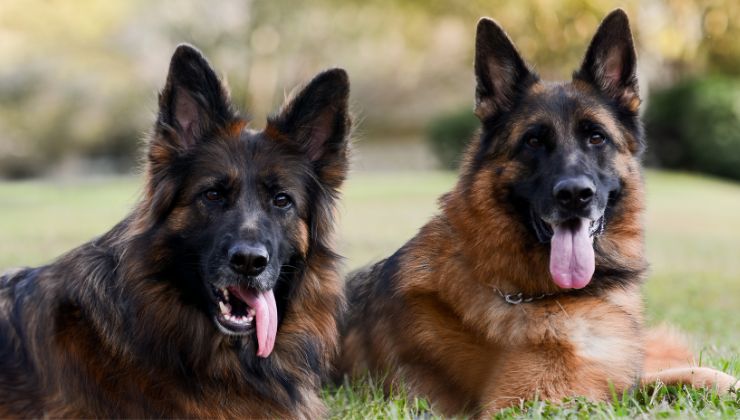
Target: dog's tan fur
432,316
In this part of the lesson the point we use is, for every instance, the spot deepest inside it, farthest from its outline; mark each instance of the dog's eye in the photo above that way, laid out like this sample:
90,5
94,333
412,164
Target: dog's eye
213,195
534,142
596,139
282,201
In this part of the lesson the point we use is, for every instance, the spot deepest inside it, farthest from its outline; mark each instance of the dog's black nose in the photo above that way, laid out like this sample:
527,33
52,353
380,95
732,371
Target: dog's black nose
248,259
574,193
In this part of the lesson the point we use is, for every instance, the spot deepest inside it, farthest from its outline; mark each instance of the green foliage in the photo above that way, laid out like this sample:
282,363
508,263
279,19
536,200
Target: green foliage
449,133
695,125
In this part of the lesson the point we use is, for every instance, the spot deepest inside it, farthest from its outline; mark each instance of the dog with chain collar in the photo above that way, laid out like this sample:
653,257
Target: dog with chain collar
527,283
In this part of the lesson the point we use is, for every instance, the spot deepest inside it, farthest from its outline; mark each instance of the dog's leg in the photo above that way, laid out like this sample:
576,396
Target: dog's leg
548,373
668,360
697,377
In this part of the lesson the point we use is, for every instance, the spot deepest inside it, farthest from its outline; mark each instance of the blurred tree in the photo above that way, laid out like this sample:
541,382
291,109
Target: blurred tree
78,78
695,125
449,133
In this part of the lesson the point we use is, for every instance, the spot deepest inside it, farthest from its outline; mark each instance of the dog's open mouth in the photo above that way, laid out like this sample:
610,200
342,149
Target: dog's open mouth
242,310
572,258
544,230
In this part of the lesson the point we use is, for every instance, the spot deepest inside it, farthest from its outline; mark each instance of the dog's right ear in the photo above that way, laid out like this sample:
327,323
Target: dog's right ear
500,72
192,103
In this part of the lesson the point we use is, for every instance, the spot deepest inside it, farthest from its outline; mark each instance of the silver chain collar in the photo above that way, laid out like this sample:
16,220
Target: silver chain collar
517,298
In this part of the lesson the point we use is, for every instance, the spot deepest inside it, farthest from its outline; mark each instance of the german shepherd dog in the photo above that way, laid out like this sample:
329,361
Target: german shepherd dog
528,281
218,295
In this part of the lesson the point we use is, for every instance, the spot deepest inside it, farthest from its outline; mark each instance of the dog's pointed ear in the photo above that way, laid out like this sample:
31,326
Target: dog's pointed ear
610,63
316,118
500,72
192,102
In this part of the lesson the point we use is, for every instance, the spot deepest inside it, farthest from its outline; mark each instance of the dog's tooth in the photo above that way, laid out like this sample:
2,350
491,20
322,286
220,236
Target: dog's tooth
224,309
226,293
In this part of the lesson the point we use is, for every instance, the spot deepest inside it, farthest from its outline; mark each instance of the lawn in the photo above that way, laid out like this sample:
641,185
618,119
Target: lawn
693,237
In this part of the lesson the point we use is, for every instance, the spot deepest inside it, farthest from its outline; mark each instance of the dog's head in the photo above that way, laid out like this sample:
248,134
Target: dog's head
566,149
235,211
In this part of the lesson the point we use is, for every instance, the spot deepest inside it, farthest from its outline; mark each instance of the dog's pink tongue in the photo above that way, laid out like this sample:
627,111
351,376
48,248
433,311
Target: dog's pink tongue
572,260
265,315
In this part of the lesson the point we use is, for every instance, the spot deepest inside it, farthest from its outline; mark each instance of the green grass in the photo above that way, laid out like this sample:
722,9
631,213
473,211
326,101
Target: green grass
693,238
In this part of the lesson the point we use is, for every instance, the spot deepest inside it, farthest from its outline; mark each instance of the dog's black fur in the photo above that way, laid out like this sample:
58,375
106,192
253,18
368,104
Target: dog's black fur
127,325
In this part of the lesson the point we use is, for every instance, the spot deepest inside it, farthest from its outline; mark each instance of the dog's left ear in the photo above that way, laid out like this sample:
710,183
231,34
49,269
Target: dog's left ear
610,63
192,104
317,119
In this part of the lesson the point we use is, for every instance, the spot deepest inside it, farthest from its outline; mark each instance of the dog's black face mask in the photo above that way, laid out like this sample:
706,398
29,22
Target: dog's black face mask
236,204
568,139
568,182
248,216
570,175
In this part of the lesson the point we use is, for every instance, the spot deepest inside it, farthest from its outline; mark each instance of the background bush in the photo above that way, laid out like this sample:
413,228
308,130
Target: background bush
447,135
695,125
